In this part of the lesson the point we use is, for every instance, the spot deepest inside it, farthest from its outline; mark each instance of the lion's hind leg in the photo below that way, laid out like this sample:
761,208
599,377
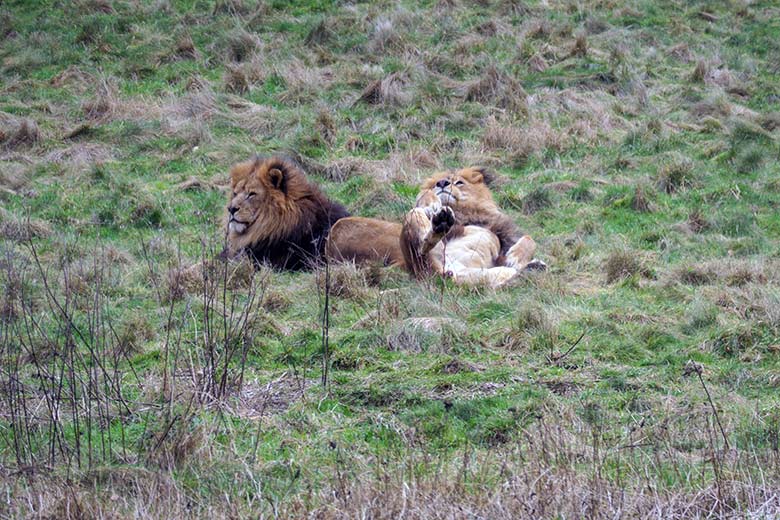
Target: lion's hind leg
521,256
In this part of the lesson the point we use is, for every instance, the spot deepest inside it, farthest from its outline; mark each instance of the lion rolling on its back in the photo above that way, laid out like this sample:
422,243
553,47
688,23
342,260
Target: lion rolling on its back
455,229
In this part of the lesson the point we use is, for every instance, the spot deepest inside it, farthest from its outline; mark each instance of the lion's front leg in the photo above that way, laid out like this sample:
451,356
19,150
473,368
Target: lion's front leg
423,228
521,255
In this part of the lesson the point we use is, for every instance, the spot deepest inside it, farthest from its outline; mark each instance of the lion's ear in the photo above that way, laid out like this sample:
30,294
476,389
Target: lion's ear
276,176
474,175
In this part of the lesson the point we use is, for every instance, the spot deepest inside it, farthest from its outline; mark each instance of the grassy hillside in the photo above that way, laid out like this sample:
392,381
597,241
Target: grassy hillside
639,376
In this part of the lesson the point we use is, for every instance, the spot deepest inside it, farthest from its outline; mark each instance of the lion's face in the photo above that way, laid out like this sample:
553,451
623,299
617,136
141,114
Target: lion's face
259,206
462,190
252,185
248,196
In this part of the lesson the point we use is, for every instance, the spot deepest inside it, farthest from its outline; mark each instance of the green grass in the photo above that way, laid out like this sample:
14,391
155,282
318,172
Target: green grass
651,191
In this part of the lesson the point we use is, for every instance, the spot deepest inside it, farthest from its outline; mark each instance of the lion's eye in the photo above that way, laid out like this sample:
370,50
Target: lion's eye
250,194
459,183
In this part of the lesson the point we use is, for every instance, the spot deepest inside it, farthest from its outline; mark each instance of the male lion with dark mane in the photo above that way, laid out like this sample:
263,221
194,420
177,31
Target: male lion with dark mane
277,216
456,229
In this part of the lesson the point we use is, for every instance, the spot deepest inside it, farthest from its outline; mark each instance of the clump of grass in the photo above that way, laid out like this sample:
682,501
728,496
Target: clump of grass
538,199
695,275
387,32
25,135
699,72
105,102
19,230
531,326
390,90
698,221
736,223
732,342
676,175
580,48
241,45
320,34
714,108
326,125
641,200
497,87
240,78
624,264
743,132
769,121
749,159
185,49
346,281
581,192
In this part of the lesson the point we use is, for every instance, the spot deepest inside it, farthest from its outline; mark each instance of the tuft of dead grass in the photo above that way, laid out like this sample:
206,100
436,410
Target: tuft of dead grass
521,142
390,90
497,87
623,264
20,230
676,174
19,134
303,83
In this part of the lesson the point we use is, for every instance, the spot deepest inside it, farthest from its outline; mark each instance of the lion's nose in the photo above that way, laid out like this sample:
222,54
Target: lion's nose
443,183
232,209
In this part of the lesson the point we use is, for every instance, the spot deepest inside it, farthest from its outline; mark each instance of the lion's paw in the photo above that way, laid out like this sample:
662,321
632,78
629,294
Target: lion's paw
535,265
443,220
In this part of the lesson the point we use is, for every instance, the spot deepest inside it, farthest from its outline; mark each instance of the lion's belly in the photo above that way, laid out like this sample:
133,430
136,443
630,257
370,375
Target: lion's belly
470,258
477,248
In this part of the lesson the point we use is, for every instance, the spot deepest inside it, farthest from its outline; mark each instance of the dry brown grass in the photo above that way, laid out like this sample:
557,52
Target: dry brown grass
497,87
519,142
390,90
623,264
16,134
303,82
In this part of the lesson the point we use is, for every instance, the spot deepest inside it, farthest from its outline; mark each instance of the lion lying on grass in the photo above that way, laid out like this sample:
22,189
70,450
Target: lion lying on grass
455,230
276,215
